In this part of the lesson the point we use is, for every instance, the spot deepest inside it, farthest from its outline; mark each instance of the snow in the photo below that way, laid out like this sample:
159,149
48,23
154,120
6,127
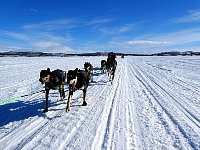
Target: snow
153,104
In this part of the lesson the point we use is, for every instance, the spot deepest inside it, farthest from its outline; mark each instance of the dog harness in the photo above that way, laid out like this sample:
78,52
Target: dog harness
72,88
57,77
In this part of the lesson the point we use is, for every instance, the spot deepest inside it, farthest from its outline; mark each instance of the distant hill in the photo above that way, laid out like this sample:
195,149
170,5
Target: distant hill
42,54
175,53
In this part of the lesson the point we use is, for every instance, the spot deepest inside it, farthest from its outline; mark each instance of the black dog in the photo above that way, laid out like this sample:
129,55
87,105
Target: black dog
111,65
53,80
89,69
77,80
103,66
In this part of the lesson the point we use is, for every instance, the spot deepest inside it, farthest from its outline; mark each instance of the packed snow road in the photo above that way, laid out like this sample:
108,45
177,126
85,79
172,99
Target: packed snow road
153,103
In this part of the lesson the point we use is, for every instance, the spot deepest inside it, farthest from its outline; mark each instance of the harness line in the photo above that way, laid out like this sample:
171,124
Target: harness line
17,97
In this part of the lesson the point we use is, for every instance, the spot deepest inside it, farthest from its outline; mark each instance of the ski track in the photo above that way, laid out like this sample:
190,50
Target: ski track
158,91
152,104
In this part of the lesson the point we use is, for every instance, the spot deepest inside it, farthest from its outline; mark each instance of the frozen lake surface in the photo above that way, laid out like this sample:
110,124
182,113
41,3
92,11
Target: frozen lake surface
154,103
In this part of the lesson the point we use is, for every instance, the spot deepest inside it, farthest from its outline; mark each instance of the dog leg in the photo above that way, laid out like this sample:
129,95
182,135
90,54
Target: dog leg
84,98
68,103
109,76
112,77
92,77
47,96
62,92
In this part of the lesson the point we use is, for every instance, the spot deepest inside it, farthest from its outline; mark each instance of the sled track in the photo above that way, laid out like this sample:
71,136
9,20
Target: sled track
116,128
157,92
105,123
170,95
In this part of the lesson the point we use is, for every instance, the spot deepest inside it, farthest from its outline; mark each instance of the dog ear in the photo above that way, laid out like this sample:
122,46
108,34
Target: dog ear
48,70
41,81
76,70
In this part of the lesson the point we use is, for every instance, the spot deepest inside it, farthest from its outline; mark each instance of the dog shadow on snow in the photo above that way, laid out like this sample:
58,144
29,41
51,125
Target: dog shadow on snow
76,102
22,110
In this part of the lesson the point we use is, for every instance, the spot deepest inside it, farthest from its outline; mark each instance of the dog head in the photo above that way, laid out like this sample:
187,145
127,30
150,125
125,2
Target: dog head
45,76
87,66
72,76
103,63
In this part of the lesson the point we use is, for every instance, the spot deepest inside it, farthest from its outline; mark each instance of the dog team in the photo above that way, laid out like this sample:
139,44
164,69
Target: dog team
76,79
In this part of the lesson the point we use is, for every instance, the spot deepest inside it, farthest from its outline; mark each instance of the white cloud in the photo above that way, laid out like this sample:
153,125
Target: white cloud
127,28
184,39
61,24
46,44
52,46
181,37
118,30
15,35
53,25
62,49
99,20
36,41
145,42
33,10
194,15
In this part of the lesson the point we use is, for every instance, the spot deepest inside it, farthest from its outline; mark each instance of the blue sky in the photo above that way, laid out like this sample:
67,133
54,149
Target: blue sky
76,26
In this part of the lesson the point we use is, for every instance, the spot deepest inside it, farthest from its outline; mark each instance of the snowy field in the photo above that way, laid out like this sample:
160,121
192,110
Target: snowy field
153,104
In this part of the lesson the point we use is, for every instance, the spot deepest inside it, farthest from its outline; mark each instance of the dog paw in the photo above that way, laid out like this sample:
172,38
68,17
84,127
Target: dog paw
45,110
84,104
67,109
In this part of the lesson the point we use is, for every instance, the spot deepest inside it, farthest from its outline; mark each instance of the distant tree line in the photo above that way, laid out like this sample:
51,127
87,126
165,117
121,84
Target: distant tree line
42,54
175,53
